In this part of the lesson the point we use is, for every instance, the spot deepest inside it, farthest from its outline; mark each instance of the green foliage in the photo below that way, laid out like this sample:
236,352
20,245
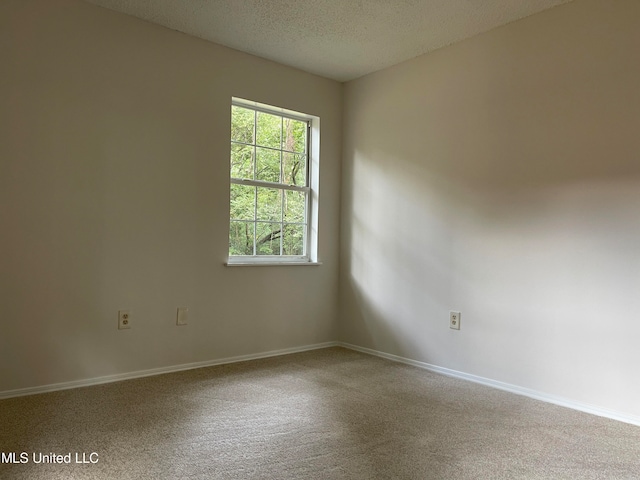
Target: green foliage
294,206
267,165
272,219
294,168
242,202
269,130
241,161
242,124
269,204
293,240
241,238
295,135
268,238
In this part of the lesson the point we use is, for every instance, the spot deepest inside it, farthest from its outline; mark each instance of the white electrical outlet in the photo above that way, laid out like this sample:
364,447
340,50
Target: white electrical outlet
124,319
454,320
183,316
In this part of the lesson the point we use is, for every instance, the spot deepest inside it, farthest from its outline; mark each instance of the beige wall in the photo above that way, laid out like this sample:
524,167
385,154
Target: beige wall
114,153
501,177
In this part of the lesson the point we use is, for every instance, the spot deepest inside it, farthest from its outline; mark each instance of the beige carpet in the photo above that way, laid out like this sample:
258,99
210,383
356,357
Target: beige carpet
325,414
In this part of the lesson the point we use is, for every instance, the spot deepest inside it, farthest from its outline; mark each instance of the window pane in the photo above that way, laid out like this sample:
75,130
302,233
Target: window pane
242,122
294,168
268,238
269,204
269,155
294,135
294,203
293,240
241,161
268,165
242,202
241,238
269,130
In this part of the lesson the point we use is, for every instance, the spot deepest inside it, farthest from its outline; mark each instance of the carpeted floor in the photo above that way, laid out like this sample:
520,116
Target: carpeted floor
325,414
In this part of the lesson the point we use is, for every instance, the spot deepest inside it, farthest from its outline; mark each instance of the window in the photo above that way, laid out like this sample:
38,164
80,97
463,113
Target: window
272,203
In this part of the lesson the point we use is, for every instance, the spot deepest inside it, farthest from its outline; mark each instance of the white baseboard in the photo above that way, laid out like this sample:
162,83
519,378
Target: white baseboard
157,371
545,397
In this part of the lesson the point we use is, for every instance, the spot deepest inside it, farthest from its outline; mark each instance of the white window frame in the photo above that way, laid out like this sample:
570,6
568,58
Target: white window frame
310,256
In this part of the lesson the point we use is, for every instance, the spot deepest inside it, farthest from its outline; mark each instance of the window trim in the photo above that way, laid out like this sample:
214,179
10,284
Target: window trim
311,189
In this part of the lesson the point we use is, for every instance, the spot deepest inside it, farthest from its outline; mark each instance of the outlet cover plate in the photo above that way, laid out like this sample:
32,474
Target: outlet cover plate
454,320
183,316
124,319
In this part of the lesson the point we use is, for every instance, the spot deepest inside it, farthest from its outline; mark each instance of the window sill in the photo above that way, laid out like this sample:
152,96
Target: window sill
271,264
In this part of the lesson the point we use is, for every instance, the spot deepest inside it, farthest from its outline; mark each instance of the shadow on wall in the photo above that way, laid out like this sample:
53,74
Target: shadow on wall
500,177
543,270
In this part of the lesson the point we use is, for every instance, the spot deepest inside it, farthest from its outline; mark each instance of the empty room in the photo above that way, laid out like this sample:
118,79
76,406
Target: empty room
328,239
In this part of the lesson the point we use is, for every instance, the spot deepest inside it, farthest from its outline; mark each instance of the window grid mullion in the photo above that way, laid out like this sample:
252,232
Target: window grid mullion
255,219
308,193
281,191
282,223
236,142
255,189
262,183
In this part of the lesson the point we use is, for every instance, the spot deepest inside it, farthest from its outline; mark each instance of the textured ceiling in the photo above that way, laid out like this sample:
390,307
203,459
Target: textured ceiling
339,39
